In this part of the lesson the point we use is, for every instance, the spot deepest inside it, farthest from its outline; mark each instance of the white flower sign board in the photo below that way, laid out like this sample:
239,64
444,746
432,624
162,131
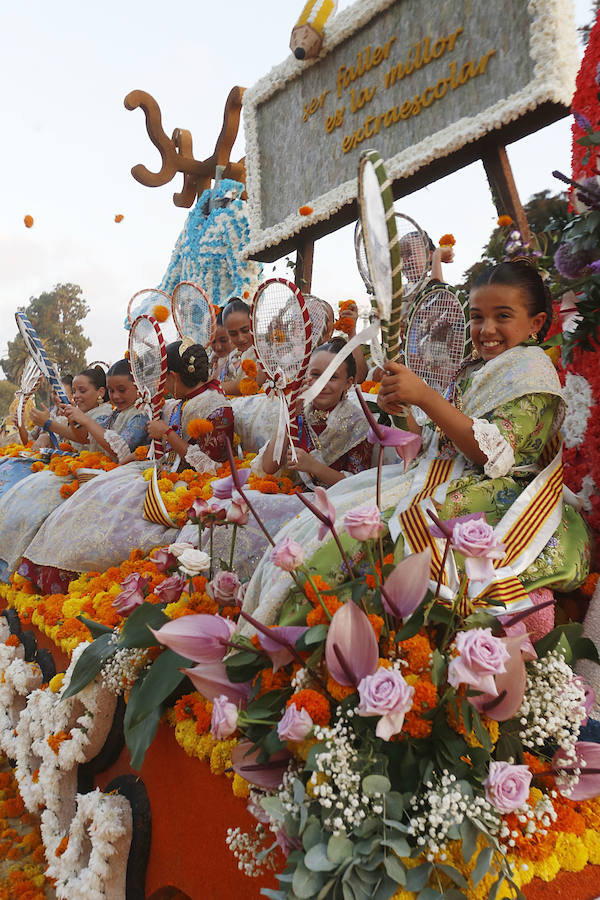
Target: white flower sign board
417,81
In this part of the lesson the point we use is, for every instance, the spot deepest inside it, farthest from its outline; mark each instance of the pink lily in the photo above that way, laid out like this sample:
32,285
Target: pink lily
278,641
404,588
588,761
211,680
510,684
406,443
201,638
351,649
170,589
267,775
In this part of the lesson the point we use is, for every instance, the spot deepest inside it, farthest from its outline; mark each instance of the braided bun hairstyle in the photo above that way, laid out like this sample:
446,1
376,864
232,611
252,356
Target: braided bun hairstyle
523,274
96,375
191,365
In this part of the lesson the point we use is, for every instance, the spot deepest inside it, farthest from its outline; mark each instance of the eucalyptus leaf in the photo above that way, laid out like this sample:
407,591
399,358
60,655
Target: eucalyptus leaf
306,884
324,892
339,848
90,663
311,834
468,834
429,893
386,889
395,869
317,861
376,784
454,875
398,844
394,805
416,878
482,865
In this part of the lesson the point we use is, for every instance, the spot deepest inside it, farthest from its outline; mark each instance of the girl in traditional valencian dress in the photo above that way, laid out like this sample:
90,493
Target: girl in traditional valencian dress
495,450
27,504
103,521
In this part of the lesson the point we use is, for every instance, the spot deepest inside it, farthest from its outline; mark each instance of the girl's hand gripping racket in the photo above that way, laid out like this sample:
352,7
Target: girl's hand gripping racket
42,360
193,313
148,363
31,378
282,337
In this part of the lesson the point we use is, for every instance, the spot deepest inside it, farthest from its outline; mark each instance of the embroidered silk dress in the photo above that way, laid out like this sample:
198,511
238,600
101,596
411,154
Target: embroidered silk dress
516,403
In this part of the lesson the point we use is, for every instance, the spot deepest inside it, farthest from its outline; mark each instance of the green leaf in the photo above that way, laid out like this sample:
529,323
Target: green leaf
339,848
468,834
585,648
316,859
429,893
311,834
139,737
315,635
90,663
394,805
398,844
480,732
306,884
438,667
467,715
454,875
395,869
243,666
136,630
413,626
162,678
482,865
376,784
416,878
95,628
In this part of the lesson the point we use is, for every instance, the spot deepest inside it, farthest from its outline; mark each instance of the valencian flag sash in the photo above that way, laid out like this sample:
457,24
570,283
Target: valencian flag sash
154,505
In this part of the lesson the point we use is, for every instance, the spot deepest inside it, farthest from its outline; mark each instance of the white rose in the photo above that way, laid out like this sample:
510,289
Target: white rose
177,549
192,562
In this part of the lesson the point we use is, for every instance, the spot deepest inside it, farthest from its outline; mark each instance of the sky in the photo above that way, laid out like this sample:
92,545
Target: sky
69,145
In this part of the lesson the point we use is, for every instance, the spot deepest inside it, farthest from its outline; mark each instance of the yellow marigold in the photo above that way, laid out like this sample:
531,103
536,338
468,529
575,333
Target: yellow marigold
504,221
591,841
55,683
547,869
248,387
161,313
240,787
197,427
447,240
220,757
571,852
315,704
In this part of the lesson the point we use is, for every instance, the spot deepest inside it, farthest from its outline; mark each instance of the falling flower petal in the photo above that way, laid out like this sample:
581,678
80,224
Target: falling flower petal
405,587
119,217
201,638
351,649
268,775
28,220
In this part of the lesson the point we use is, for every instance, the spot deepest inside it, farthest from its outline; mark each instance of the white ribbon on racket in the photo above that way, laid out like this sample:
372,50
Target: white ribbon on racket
366,335
143,403
276,386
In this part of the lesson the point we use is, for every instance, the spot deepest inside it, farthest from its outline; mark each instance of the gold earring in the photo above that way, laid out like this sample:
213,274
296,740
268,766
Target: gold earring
534,335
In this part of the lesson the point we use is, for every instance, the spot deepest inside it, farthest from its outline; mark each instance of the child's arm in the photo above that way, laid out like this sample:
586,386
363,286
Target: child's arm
70,433
317,470
400,386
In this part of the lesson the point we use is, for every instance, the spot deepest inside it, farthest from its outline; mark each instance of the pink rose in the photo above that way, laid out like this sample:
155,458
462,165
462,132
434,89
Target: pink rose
481,656
288,555
163,560
507,786
198,507
132,594
170,589
364,523
476,540
385,694
224,588
224,718
295,725
237,513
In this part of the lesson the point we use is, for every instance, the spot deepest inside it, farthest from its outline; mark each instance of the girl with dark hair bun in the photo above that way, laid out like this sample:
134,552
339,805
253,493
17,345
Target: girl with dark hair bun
332,428
494,451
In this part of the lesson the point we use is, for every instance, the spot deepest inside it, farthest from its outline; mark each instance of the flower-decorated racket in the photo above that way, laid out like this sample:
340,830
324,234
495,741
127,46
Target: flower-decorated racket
282,337
148,363
31,378
193,313
143,302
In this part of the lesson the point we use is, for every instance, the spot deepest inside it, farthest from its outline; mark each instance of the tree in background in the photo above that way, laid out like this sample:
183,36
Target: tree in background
56,315
7,392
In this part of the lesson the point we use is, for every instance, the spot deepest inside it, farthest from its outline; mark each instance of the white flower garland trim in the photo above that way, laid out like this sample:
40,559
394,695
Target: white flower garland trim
18,680
580,399
553,48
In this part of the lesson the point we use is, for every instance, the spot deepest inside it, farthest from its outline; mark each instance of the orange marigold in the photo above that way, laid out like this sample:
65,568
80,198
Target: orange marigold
55,740
62,846
447,240
417,652
315,704
12,641
119,218
37,466
424,699
377,624
345,324
272,681
587,588
160,312
28,220
305,210
198,427
504,221
141,452
248,387
317,615
249,368
338,691
320,584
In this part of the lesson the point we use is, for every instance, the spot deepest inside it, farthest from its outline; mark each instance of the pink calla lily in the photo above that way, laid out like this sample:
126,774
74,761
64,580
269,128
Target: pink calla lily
510,684
351,649
588,785
272,643
223,488
201,638
322,509
405,587
406,443
211,680
267,775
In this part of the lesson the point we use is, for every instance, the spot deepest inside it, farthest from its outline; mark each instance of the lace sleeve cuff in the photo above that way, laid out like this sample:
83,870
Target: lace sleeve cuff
117,444
200,461
500,454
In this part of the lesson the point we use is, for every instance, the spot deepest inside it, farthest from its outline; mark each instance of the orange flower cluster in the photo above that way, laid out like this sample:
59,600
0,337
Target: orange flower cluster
269,484
141,452
417,653
15,449
199,427
447,240
370,387
248,387
249,368
589,585
67,490
62,846
62,466
504,221
161,313
271,681
55,740
315,704
345,324
305,210
194,706
425,699
387,561
20,843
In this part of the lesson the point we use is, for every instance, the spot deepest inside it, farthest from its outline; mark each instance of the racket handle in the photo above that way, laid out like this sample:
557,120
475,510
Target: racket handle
157,447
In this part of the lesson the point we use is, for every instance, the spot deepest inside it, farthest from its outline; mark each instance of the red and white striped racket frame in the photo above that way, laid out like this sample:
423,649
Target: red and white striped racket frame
295,386
156,398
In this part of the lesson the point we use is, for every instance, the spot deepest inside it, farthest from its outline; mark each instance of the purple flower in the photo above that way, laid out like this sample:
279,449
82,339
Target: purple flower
385,694
569,262
364,523
224,588
287,554
269,775
170,589
351,649
582,120
323,505
509,684
279,643
131,595
476,540
201,638
481,656
507,786
224,718
405,587
295,725
222,488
